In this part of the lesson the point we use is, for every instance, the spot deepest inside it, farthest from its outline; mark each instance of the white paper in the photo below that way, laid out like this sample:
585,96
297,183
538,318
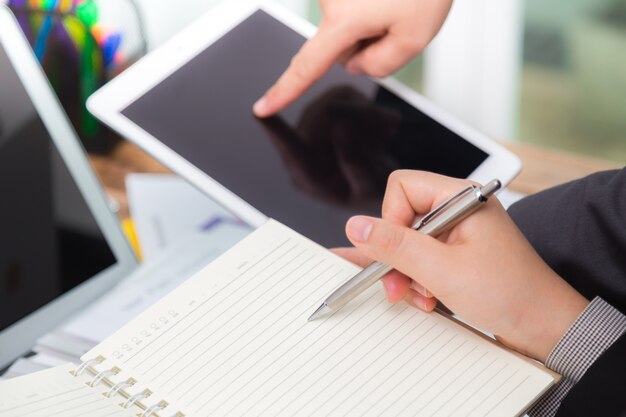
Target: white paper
56,393
234,340
166,209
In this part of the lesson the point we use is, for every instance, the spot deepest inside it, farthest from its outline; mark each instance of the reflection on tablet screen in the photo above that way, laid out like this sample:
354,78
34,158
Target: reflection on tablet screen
322,160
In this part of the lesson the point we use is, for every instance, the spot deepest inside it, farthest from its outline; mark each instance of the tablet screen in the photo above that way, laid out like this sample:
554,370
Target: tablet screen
325,158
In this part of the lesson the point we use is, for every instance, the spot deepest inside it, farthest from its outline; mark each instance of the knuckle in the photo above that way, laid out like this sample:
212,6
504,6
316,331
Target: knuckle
378,71
397,175
300,67
390,239
415,45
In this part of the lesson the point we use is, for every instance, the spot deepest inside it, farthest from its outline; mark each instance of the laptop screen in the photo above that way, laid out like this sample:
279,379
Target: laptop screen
49,239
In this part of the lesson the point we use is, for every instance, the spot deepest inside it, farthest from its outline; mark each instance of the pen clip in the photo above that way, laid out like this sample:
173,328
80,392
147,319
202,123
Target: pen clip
441,207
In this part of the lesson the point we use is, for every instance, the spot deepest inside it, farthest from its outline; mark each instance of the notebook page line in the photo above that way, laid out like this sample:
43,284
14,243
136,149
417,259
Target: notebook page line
221,310
410,331
478,359
356,401
55,392
138,351
334,356
445,391
511,391
161,352
427,406
442,360
469,381
184,341
234,352
50,405
252,331
287,337
218,314
479,404
200,309
266,330
440,393
68,392
405,363
329,343
473,394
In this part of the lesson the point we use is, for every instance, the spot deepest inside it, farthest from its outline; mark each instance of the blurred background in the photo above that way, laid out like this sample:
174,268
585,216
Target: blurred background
550,73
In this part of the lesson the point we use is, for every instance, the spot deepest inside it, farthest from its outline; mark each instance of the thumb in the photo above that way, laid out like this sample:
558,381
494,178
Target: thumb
409,251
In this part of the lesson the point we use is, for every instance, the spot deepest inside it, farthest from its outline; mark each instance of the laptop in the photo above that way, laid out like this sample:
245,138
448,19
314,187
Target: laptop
60,244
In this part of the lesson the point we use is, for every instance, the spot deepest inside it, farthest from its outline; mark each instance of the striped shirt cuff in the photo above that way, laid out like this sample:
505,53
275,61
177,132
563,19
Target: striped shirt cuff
593,332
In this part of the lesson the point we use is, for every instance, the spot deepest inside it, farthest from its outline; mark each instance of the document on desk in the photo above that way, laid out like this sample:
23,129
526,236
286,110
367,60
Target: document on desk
234,340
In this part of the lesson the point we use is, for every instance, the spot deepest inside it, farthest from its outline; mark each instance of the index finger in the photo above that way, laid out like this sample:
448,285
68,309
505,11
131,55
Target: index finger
313,60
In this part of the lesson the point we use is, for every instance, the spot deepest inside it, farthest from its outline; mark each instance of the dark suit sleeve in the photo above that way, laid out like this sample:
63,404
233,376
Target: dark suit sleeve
602,390
579,229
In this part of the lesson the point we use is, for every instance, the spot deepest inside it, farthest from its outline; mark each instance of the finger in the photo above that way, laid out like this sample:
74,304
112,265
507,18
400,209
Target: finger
417,300
312,61
409,192
396,286
383,57
352,255
417,287
411,252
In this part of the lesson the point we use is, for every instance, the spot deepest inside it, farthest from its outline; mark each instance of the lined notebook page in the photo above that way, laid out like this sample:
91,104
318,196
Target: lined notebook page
234,340
56,393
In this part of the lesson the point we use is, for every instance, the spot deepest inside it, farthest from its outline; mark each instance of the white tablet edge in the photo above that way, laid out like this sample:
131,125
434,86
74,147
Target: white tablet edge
108,103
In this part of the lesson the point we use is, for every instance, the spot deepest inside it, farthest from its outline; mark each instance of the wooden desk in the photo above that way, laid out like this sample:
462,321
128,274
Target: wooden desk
542,168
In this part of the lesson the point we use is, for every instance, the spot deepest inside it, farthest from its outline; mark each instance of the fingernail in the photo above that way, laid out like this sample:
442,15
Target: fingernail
388,286
260,107
359,228
421,289
419,303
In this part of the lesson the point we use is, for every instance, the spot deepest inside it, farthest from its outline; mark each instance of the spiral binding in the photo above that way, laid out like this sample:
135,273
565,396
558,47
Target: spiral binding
137,397
104,374
150,411
120,388
83,366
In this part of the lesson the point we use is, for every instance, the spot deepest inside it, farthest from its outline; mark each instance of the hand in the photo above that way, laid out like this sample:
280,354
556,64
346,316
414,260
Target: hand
372,37
484,269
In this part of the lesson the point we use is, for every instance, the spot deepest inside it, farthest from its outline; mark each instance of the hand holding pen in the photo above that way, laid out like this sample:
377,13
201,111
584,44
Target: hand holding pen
483,269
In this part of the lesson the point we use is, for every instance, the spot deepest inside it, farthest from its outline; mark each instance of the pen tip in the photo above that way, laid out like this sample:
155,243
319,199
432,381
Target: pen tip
321,310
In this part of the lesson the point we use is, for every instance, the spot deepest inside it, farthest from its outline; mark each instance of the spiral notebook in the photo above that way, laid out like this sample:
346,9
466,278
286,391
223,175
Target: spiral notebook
234,340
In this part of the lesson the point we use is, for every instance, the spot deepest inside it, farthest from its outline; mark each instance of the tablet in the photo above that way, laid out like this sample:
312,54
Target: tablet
314,165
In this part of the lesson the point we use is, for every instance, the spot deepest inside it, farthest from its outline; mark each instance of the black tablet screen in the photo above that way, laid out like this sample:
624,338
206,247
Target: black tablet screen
322,160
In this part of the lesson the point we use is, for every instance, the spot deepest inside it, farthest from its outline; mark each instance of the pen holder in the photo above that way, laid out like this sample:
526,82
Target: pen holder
81,44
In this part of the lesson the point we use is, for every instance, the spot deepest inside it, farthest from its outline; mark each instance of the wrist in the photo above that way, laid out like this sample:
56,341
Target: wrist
546,319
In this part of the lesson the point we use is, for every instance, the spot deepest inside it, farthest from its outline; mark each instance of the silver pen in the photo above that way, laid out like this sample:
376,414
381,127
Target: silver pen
440,219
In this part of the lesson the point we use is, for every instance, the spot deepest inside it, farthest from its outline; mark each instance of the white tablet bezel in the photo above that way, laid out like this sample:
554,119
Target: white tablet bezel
21,336
108,103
